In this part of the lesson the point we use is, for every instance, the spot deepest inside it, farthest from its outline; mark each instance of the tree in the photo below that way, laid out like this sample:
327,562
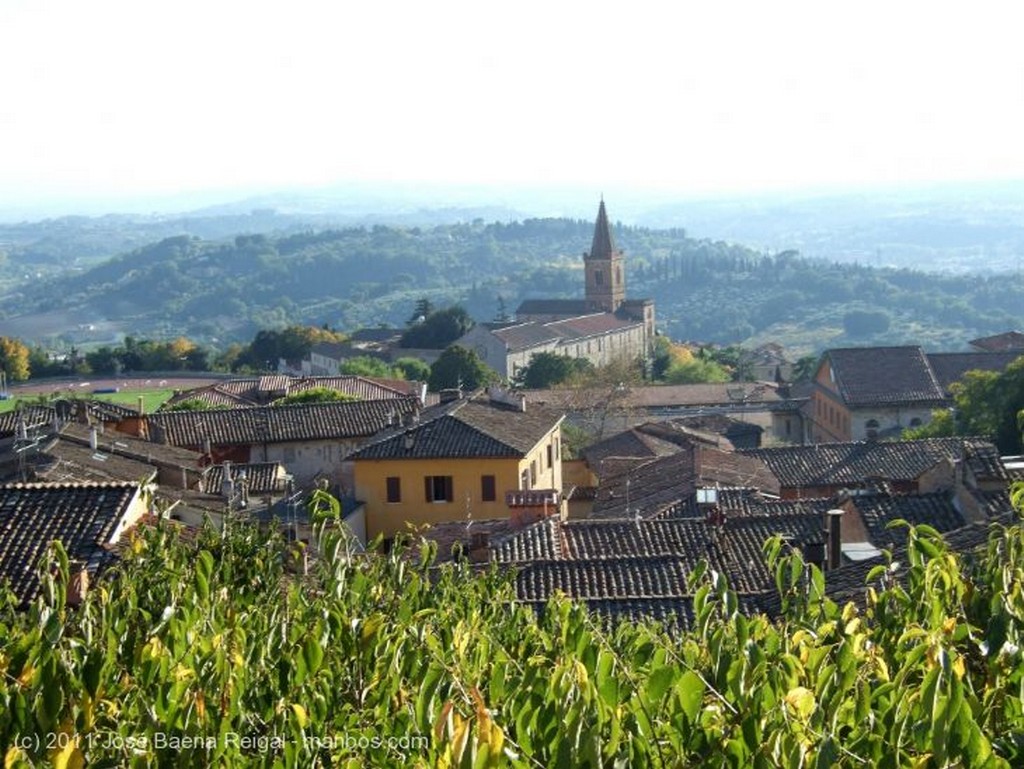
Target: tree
14,359
439,330
697,371
460,367
547,369
805,368
364,365
316,395
423,310
194,404
985,403
413,369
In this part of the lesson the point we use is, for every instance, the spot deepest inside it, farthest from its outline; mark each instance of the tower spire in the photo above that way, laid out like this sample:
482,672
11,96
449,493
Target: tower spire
603,245
605,283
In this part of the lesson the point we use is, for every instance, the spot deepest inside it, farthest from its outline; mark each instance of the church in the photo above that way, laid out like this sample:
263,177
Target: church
601,327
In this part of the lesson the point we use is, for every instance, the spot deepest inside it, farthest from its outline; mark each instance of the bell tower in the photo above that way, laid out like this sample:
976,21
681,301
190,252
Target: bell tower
606,282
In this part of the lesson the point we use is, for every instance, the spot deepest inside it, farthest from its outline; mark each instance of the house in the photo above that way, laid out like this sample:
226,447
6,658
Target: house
754,408
482,457
89,519
601,327
631,568
907,467
310,440
873,392
663,485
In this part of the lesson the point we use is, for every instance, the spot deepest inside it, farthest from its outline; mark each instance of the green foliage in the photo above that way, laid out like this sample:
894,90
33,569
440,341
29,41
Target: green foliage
374,660
697,371
194,404
365,365
986,403
706,290
438,330
292,344
316,395
14,359
460,367
547,369
413,369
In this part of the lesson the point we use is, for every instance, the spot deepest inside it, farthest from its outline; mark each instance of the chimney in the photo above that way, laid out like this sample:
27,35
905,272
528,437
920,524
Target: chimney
142,406
227,485
479,546
834,538
184,477
93,440
450,394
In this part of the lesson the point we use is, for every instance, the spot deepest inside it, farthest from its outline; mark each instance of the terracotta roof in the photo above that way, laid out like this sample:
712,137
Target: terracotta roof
851,464
468,427
32,416
124,445
521,336
950,367
849,583
262,477
661,483
525,335
629,443
258,391
84,517
590,325
278,424
879,510
626,565
875,376
69,461
667,396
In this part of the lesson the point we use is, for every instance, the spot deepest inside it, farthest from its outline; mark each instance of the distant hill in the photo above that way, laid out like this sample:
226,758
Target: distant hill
217,290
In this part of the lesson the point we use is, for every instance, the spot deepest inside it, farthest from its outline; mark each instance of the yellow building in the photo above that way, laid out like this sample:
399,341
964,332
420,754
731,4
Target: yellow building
477,458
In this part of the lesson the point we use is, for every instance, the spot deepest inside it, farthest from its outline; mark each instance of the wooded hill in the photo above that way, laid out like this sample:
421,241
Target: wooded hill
706,291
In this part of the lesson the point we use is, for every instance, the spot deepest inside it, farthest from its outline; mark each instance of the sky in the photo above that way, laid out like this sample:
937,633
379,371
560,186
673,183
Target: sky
115,99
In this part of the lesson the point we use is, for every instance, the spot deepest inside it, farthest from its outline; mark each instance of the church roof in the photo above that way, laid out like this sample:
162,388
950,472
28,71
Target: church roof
603,246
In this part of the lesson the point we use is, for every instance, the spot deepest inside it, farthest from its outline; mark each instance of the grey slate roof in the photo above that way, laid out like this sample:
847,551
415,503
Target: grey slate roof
469,427
279,424
84,517
877,376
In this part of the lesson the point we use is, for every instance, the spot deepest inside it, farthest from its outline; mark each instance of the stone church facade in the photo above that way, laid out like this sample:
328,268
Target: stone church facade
601,327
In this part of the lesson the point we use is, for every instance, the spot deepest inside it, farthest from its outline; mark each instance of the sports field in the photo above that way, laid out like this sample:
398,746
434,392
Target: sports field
125,391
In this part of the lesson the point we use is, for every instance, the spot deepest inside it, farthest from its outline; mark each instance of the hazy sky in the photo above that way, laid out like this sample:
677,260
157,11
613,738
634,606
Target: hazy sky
153,98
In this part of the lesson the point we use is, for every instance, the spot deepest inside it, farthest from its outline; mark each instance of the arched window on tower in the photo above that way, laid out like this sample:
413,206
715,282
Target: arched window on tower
598,278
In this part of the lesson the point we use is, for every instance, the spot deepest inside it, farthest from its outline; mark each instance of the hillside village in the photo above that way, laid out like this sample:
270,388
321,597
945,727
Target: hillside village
673,474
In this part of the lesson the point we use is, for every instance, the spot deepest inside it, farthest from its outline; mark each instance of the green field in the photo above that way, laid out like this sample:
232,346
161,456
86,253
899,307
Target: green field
151,399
